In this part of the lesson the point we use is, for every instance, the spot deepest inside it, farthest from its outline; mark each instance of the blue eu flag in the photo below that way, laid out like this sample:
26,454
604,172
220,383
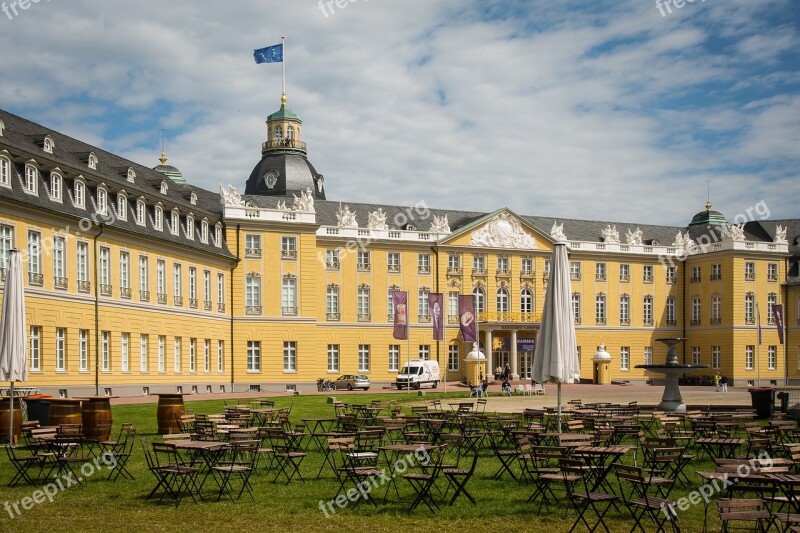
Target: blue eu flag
270,54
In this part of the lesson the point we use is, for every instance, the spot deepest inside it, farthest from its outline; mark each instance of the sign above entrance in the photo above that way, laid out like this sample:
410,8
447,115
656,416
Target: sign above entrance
525,345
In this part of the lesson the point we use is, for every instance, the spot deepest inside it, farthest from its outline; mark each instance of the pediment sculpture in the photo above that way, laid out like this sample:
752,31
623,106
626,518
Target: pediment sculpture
503,231
305,203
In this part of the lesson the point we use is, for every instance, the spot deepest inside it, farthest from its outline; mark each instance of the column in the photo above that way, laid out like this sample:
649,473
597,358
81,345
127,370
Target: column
489,356
514,361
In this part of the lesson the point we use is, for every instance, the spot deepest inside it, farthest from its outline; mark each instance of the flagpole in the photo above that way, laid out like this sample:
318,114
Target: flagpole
758,346
283,65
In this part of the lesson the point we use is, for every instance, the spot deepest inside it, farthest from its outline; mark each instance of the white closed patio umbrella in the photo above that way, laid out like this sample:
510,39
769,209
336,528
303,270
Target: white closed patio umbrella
13,365
555,357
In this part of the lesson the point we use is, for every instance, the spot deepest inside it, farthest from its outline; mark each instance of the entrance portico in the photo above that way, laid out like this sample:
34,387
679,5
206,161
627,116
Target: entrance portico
509,341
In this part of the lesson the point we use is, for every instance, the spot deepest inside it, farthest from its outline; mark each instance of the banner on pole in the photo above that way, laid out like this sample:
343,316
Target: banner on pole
400,304
468,322
435,301
777,312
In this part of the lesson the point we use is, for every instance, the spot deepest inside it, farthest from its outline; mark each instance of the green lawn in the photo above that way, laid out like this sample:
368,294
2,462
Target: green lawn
101,505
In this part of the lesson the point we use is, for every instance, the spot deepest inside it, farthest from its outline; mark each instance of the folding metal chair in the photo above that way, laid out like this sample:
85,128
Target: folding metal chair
423,482
242,461
458,477
585,500
178,479
22,464
121,451
641,500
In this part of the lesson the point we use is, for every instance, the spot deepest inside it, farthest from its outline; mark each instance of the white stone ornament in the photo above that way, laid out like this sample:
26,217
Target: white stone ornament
440,225
230,198
503,231
634,237
683,241
346,218
780,235
377,220
735,232
305,203
610,234
282,205
557,232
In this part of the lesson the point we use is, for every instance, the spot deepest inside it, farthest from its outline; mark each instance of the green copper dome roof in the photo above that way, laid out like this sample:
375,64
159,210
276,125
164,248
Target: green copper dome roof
284,113
708,217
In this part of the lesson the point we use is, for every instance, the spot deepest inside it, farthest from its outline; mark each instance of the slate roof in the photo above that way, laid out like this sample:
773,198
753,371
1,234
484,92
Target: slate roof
23,140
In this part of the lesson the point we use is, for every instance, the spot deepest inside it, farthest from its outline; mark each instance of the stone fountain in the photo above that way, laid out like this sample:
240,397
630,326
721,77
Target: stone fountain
671,400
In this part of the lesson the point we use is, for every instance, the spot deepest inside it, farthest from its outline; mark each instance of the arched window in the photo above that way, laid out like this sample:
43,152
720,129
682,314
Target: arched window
131,175
102,200
31,178
79,194
48,144
5,171
190,227
158,218
92,161
141,211
164,187
55,186
122,206
204,232
526,301
175,221
480,300
218,235
278,133
290,132
502,300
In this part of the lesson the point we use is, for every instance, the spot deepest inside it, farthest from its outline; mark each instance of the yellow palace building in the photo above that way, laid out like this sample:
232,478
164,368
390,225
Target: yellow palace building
138,282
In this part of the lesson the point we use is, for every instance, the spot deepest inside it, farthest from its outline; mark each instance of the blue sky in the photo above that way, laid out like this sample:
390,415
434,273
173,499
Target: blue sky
595,110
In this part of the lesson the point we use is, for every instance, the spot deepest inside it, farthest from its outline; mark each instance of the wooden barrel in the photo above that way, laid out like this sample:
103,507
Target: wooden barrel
65,411
96,416
5,406
170,408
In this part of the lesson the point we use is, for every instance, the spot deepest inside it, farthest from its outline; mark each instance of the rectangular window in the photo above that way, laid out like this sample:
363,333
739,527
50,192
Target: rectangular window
424,352
105,270
546,274
31,178
177,281
289,296
207,290
453,357
363,304
125,272
55,187
624,272
80,194
749,308
124,351
697,274
575,270
252,245
648,355
5,172
289,356
625,310
424,263
647,273
161,280
772,357
647,310
34,256
749,352
749,271
526,266
600,271
122,207
144,278
333,358
192,286
143,353
363,358
162,353
479,264
716,271
670,311
503,267
220,356
695,355
422,305
715,358
192,355
82,267
207,356
289,247
394,357
35,350
393,262
61,349
176,355
220,292
671,274
624,358
59,268
576,307
253,294
254,356
83,350
362,261
332,259
332,302
600,309
452,307
105,351
696,311
6,245
716,309
454,263
772,299
772,272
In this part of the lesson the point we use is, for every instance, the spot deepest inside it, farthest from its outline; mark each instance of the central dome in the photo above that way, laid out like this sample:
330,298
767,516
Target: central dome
284,175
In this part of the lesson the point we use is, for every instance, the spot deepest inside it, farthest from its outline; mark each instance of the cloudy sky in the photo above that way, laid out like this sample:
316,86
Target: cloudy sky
614,110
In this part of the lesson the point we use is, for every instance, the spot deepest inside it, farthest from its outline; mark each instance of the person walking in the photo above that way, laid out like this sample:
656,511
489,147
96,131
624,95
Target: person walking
724,382
716,381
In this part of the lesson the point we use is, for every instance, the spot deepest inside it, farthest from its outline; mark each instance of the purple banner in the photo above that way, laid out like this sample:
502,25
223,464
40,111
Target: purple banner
400,304
435,301
467,320
777,312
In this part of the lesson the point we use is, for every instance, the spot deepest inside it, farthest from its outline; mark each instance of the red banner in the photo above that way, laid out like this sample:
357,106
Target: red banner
435,302
467,320
400,304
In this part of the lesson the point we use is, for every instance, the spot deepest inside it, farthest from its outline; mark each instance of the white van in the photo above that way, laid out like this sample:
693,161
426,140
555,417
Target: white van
415,374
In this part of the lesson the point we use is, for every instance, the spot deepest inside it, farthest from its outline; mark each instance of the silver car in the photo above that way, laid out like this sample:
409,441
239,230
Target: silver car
350,382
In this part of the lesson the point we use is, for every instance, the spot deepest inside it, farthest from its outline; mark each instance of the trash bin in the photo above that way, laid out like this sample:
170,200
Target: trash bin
763,401
38,407
783,396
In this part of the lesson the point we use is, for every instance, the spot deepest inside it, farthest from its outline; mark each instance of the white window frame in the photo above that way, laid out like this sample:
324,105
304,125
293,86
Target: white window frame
363,357
143,352
124,269
333,358
30,182
122,206
453,358
394,358
749,357
35,349
141,212
162,355
190,227
192,355
772,357
105,351
289,356
102,200
83,350
220,356
61,349
204,231
176,354
79,193
158,218
624,358
82,261
254,356
696,355
125,351
207,355
5,171
56,187
716,357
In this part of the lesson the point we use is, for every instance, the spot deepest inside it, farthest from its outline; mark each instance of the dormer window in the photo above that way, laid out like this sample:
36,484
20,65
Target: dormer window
164,187
218,235
102,200
92,161
131,175
122,206
31,178
5,171
175,221
204,232
2,127
79,194
56,188
141,211
193,199
48,144
158,218
190,227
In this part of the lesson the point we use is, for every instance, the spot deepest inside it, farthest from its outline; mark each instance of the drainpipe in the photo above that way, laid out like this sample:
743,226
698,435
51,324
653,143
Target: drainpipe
230,282
785,284
686,309
97,315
